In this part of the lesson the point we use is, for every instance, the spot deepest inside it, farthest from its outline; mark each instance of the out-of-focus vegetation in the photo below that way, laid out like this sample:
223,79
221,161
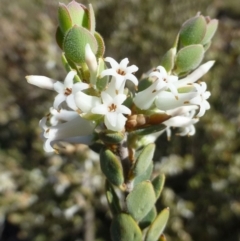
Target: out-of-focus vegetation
61,197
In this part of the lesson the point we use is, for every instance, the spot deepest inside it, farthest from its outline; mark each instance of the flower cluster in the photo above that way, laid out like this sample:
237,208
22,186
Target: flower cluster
81,108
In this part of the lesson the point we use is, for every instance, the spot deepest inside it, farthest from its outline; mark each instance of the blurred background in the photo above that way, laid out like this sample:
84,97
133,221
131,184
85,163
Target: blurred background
61,197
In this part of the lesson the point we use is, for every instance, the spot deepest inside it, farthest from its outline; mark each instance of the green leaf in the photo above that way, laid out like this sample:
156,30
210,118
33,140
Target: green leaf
148,219
148,130
64,18
168,59
75,42
211,30
124,228
193,31
59,37
141,200
112,198
111,167
101,82
79,14
144,160
158,184
101,45
189,58
111,137
144,176
158,225
92,21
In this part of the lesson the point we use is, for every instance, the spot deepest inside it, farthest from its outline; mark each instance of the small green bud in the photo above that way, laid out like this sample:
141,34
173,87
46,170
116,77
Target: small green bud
111,167
158,225
189,58
75,42
141,200
124,228
79,14
193,31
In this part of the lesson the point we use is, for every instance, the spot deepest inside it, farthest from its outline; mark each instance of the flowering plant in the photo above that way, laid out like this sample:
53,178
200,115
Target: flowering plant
103,102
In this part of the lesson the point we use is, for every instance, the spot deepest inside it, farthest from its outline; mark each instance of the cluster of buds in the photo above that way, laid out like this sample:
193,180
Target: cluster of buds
103,101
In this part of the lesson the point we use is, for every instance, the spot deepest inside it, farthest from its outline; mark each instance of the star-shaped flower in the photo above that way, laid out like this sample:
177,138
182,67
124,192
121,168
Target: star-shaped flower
167,81
65,91
121,72
113,111
201,98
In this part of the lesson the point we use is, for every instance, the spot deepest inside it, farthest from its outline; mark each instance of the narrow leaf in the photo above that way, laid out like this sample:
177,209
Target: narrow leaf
158,225
158,183
112,198
111,167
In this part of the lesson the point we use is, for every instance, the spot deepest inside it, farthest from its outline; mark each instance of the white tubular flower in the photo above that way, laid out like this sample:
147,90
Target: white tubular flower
178,121
85,102
144,99
166,101
195,75
167,81
77,130
92,64
113,111
41,81
121,72
61,116
201,98
65,91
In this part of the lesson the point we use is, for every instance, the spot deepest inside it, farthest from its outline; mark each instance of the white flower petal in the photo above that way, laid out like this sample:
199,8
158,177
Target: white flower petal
166,100
106,98
86,102
58,100
71,102
123,109
132,69
111,118
123,64
132,78
68,82
111,72
114,64
59,87
100,109
119,99
79,86
196,74
41,81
